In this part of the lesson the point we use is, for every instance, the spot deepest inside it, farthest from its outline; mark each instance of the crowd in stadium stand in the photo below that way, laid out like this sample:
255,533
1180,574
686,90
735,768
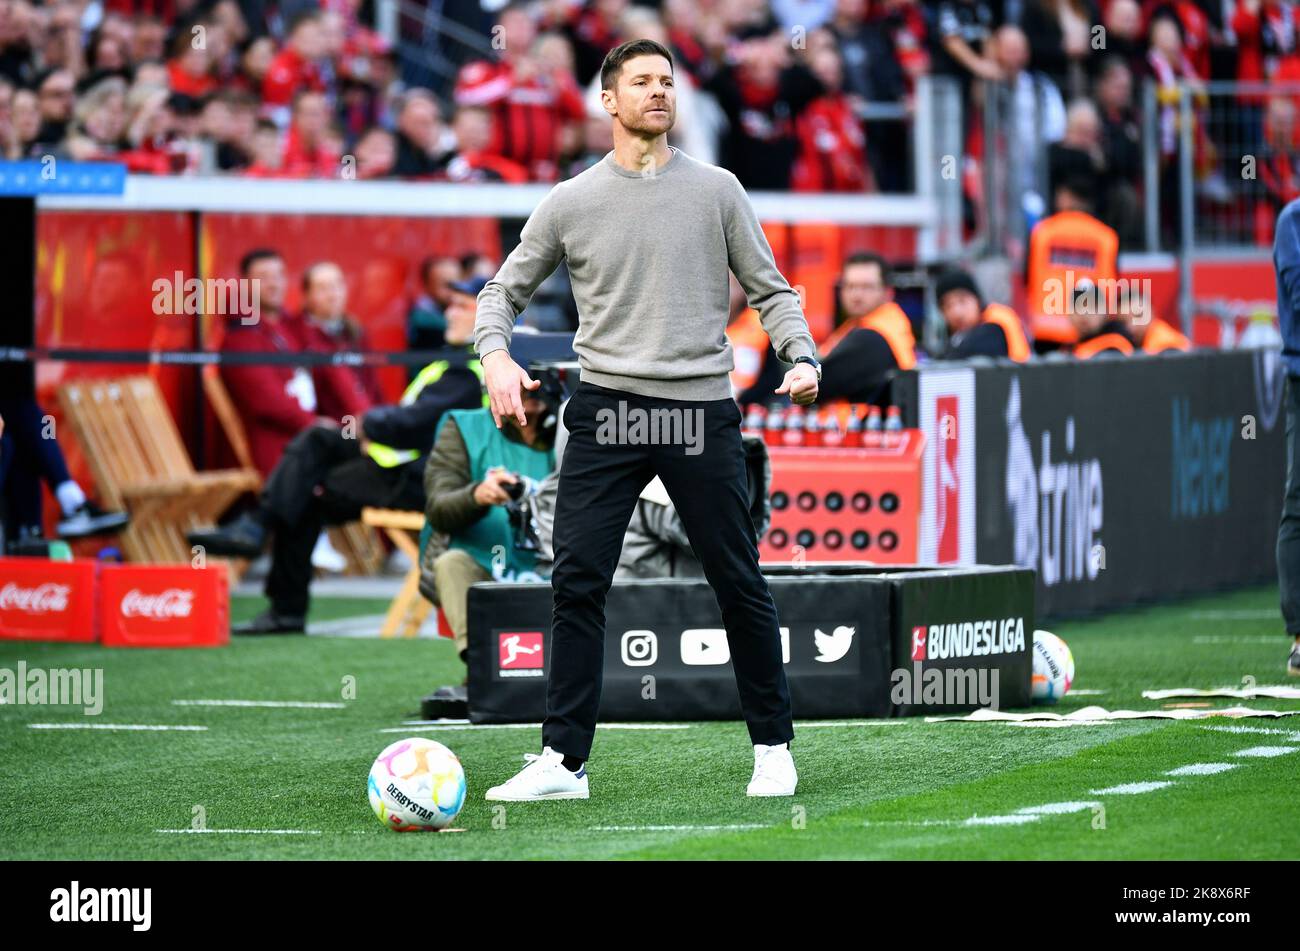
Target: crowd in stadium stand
771,90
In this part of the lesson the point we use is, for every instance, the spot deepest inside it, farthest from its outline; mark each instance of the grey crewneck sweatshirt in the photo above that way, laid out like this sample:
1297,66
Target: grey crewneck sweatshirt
648,257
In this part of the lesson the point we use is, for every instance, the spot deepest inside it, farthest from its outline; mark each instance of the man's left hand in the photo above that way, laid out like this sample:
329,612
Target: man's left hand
801,383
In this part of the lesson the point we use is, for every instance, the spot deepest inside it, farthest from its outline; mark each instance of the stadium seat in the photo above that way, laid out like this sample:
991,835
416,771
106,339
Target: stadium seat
408,611
140,464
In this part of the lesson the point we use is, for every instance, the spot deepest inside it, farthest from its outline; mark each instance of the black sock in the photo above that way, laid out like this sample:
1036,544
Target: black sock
573,764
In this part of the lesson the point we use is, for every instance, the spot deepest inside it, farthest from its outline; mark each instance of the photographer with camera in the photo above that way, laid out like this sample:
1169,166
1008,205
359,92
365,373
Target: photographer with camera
480,483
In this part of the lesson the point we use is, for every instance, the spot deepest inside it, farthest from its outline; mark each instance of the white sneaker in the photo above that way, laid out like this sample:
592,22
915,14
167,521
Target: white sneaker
326,557
543,778
774,773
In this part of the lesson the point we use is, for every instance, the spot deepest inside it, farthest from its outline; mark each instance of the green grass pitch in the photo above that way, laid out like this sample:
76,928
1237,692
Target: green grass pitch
868,789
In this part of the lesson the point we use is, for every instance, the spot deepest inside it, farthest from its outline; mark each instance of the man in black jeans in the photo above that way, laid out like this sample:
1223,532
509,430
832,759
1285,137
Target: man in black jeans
649,234
1286,261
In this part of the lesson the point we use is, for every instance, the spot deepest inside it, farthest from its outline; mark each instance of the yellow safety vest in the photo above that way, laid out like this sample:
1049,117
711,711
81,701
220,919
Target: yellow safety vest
387,456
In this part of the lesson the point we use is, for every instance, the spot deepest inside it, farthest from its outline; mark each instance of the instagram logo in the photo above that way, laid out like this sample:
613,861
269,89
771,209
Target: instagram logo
639,648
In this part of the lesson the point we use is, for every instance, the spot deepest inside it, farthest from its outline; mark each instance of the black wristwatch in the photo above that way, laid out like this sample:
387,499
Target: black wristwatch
812,362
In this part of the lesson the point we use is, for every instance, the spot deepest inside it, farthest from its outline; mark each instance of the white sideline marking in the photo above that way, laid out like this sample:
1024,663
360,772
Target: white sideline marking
1265,751
421,725
1057,808
1013,820
240,831
1201,769
1132,789
1230,639
1245,729
1085,693
726,828
295,704
1246,614
112,726
812,724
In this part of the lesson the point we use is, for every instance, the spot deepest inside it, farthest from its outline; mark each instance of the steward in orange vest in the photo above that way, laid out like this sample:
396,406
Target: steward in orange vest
1159,337
975,329
1065,250
749,348
1110,337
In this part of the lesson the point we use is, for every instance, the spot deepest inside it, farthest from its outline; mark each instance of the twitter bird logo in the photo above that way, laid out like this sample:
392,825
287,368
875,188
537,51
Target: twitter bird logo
831,647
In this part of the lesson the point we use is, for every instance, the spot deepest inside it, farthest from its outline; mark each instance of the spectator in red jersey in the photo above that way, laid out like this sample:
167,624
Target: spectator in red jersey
189,70
594,29
832,151
267,151
342,390
1193,24
150,127
421,149
308,152
1266,39
295,68
531,107
684,24
1124,39
276,401
254,64
471,161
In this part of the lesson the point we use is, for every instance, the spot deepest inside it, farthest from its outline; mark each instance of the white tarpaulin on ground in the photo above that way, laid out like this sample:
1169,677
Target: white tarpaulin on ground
1088,715
1240,693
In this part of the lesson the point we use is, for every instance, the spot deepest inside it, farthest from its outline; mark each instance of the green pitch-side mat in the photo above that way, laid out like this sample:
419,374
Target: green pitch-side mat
287,778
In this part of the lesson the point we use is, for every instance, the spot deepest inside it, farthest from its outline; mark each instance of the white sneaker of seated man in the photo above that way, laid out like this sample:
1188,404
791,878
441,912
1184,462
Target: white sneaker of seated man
545,777
774,773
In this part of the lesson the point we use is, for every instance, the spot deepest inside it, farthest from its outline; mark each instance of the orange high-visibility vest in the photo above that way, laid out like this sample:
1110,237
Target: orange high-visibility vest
748,348
1098,344
1161,337
1009,321
1064,249
890,322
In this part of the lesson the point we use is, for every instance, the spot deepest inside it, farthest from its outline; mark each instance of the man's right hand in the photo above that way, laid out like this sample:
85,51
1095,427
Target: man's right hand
490,491
504,379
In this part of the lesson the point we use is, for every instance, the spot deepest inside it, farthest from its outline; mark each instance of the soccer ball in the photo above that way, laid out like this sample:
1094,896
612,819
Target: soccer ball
417,785
1053,668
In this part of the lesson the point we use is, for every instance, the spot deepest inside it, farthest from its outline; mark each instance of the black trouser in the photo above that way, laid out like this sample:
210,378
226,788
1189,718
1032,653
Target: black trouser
599,485
323,479
27,458
1288,532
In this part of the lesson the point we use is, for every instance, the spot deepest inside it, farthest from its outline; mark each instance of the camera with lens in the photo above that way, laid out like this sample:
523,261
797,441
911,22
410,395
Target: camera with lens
520,512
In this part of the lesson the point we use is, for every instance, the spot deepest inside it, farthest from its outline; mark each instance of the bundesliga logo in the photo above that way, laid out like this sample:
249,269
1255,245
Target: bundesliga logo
968,639
172,603
47,598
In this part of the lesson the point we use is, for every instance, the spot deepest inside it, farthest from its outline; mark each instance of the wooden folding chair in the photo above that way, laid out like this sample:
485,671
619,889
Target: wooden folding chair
409,609
140,464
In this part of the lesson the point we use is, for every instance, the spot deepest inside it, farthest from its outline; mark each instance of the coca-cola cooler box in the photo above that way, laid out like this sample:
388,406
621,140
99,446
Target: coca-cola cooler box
43,600
164,606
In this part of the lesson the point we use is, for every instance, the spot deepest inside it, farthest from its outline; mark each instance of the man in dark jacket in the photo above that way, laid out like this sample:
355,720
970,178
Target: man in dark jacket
1286,262
328,474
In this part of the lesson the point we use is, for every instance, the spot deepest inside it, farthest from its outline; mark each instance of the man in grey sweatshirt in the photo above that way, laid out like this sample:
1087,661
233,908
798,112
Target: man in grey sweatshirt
649,235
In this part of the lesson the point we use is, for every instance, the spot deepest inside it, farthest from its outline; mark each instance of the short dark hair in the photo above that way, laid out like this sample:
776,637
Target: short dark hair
255,255
870,257
620,54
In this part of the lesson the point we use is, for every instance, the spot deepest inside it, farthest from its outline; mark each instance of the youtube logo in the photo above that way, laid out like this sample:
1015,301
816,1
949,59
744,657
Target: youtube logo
705,647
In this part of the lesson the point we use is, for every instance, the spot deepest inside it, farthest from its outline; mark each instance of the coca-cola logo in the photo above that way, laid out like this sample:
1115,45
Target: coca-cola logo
172,603
48,598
